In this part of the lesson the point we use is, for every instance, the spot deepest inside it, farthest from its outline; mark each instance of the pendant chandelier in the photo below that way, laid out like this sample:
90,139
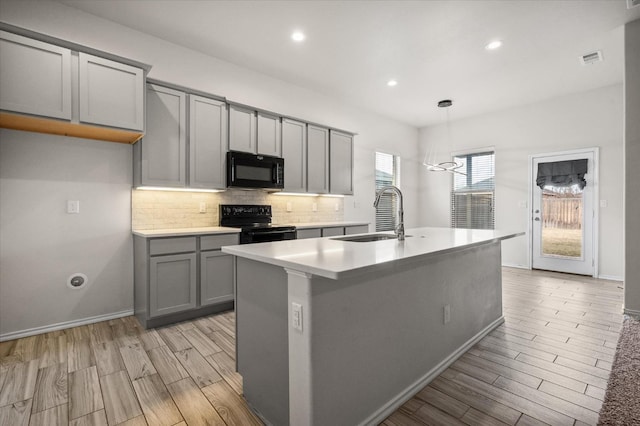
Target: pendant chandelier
430,156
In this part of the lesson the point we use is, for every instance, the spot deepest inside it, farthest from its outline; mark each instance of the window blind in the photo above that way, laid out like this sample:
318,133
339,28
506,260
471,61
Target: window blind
473,195
387,172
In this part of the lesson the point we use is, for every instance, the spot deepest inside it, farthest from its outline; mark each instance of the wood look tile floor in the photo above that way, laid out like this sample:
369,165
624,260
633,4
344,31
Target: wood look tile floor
547,364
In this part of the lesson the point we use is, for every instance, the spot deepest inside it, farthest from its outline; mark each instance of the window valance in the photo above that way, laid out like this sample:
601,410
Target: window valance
562,173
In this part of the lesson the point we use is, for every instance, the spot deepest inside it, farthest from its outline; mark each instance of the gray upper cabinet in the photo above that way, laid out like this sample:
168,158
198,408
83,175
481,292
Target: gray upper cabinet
317,159
35,77
207,142
242,129
294,152
269,139
161,154
111,93
340,163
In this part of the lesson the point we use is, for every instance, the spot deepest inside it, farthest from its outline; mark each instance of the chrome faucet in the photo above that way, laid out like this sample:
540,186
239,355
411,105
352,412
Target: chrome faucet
399,230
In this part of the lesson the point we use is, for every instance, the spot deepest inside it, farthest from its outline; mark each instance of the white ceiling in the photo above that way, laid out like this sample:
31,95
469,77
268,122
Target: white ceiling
434,49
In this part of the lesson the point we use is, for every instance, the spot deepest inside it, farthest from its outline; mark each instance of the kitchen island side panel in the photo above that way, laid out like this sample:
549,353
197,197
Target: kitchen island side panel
262,338
367,340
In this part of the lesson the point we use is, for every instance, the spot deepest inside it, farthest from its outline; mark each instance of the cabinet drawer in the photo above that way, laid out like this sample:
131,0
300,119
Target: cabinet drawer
358,229
172,245
214,242
309,233
331,232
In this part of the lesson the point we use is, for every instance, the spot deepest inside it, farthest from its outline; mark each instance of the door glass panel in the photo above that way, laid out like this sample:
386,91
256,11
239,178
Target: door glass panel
562,227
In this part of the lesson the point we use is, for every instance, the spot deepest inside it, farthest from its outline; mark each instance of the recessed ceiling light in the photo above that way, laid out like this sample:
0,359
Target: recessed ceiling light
493,45
297,36
392,83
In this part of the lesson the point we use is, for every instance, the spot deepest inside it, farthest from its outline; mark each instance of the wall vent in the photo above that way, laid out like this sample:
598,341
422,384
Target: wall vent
591,58
632,3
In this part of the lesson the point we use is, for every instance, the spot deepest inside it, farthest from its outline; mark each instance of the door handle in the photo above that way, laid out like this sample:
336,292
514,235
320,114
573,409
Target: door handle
537,219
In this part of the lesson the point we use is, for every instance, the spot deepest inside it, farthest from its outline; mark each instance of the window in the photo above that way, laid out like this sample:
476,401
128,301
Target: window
473,195
387,173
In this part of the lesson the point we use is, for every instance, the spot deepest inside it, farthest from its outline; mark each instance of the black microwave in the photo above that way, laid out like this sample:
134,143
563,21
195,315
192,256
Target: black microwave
246,170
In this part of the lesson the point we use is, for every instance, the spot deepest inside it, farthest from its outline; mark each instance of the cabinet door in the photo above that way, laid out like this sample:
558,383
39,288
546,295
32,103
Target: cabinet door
269,140
242,129
341,163
294,152
172,284
164,146
111,93
317,160
207,142
35,77
216,277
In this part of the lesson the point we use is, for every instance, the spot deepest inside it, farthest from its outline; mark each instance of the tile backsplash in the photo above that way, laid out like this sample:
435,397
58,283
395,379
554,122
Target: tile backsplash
174,209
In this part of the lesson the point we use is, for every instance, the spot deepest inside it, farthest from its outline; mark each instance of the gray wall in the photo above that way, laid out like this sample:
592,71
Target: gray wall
632,169
581,120
41,245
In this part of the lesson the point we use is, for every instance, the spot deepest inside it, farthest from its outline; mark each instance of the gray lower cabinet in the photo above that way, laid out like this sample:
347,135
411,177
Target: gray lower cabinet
180,278
172,284
332,232
216,277
309,233
356,229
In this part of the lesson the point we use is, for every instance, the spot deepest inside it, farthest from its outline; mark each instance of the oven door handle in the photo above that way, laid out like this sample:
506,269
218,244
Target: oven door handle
270,232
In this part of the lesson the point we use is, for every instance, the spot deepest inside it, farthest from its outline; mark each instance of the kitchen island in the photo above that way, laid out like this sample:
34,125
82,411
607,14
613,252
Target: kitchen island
331,331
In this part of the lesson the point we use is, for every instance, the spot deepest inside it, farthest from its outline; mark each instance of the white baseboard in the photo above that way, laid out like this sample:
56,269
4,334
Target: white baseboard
392,405
63,325
610,277
513,265
633,312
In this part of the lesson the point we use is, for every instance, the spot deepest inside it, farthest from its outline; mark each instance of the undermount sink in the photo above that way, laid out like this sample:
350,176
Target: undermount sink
367,238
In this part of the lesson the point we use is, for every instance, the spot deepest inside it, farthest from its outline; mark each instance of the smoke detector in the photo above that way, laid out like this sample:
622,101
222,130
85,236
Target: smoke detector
632,3
591,58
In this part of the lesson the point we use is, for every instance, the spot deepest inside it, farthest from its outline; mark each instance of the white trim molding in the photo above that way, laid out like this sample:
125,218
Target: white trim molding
63,325
387,409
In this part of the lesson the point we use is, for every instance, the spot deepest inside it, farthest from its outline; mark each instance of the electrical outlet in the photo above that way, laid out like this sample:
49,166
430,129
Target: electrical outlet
289,206
203,207
447,313
73,206
337,207
296,316
314,207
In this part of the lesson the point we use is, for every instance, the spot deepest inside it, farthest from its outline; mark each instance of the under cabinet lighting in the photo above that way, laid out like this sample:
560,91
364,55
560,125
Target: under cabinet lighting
159,188
299,194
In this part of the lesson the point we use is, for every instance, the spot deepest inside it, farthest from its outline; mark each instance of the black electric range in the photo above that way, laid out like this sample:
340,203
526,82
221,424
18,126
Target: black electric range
255,223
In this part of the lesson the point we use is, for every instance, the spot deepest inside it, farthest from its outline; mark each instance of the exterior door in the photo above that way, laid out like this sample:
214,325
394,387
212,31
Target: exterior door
563,217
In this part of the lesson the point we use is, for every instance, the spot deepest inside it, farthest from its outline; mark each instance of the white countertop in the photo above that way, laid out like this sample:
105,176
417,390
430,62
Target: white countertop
182,232
337,259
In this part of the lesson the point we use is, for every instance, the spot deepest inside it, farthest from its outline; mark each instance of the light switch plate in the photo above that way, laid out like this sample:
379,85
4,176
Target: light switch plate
296,316
73,206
